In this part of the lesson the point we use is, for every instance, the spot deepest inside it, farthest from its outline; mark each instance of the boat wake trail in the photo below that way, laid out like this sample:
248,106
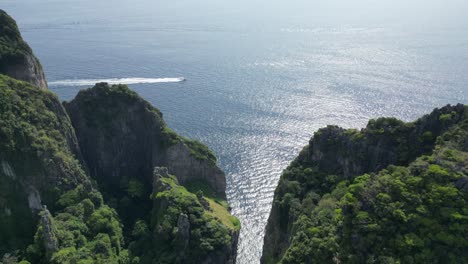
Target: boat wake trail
83,82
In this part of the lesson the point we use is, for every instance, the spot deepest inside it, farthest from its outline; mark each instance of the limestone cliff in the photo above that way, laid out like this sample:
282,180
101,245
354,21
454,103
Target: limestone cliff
37,146
50,241
16,57
52,211
184,227
122,138
335,155
39,168
122,135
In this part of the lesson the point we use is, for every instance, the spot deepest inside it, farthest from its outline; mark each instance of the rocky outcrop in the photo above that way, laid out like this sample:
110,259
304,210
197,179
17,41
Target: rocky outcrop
183,232
16,57
232,250
38,151
383,142
123,138
396,215
39,166
187,227
122,135
49,233
180,161
335,154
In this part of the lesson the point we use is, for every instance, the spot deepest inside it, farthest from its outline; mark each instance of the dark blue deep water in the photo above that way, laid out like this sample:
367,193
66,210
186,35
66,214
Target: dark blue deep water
261,76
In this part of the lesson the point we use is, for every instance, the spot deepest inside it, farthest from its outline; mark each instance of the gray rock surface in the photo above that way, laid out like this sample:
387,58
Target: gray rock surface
186,167
183,232
17,60
49,232
120,134
348,153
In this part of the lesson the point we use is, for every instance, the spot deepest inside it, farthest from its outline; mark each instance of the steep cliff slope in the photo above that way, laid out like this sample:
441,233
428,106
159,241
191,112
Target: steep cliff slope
38,169
122,135
35,155
184,227
123,138
51,209
324,213
16,57
50,212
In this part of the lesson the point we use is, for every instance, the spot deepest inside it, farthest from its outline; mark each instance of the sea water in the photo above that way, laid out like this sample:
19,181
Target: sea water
260,76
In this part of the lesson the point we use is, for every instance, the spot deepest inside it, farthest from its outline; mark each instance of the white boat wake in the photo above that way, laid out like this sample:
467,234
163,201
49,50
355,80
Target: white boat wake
83,82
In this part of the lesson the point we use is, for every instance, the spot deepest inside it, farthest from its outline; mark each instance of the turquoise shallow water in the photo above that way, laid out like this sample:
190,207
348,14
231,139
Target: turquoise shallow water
258,81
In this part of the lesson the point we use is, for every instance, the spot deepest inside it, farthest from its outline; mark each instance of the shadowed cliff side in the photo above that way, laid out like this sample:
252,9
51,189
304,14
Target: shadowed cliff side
184,227
35,157
41,179
16,57
123,138
310,188
50,208
121,135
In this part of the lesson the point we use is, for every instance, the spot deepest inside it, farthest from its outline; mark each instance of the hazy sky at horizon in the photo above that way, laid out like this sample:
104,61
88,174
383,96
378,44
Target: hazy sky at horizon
417,13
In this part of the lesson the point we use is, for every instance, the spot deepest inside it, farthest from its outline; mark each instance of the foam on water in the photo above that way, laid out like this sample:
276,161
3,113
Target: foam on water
84,82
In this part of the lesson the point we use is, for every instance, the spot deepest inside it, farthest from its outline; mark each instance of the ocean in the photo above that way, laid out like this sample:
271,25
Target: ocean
253,80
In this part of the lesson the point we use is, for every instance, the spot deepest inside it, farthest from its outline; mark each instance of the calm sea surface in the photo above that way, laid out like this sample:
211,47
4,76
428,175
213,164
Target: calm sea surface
260,77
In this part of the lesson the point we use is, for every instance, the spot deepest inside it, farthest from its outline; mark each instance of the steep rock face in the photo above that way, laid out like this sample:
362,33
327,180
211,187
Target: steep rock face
122,138
50,233
402,214
38,168
41,165
37,146
335,154
121,135
182,229
16,57
383,142
182,161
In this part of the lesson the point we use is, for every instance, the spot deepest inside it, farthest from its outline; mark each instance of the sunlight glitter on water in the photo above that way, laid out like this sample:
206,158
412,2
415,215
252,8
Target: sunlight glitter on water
258,87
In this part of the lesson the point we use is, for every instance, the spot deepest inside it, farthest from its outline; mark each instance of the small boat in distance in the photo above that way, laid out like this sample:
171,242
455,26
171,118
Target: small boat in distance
128,81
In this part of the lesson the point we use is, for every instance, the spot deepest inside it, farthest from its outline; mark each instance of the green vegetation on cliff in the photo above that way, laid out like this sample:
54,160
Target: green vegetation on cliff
38,167
16,57
184,227
53,165
394,192
103,101
12,46
85,230
123,138
35,157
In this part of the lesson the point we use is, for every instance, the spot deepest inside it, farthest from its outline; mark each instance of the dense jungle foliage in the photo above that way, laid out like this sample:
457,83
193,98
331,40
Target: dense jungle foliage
416,212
